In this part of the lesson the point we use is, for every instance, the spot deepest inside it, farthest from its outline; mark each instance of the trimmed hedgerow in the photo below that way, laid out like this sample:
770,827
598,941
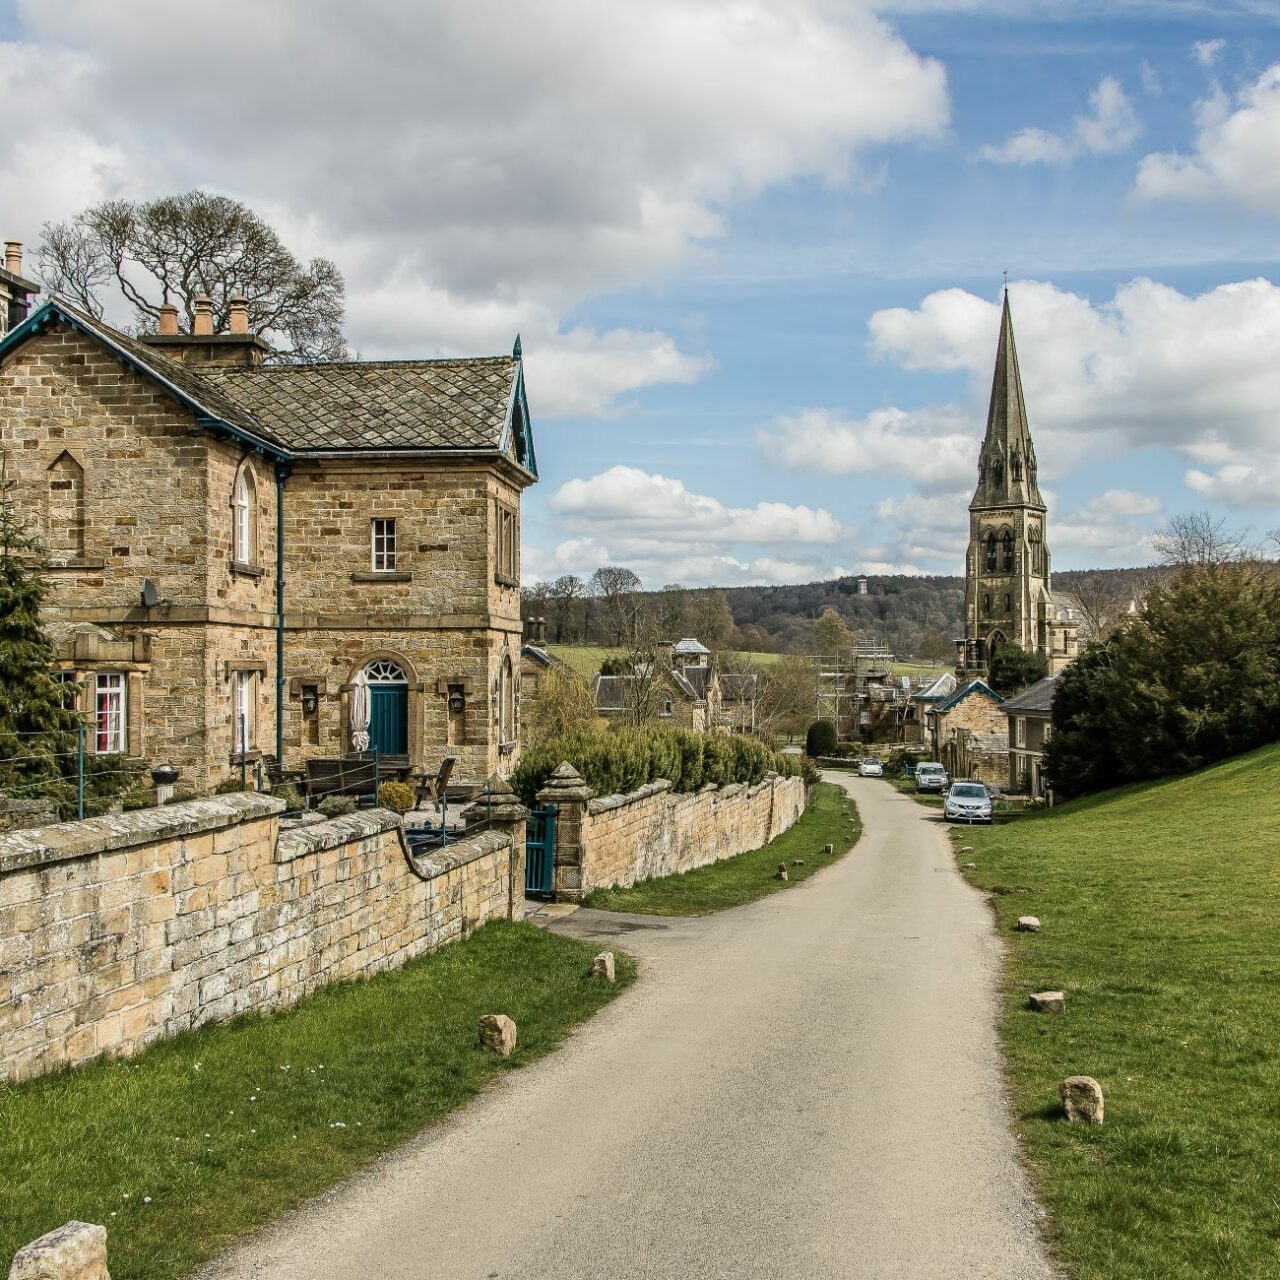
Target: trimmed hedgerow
624,759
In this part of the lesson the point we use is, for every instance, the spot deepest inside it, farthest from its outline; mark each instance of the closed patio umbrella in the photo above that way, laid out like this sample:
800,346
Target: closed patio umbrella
360,712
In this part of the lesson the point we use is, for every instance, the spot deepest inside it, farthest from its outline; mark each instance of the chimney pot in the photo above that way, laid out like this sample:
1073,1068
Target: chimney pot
168,320
13,257
202,326
239,313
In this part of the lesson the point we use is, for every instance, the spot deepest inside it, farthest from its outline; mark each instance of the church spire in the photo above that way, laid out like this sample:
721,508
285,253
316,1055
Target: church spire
1007,464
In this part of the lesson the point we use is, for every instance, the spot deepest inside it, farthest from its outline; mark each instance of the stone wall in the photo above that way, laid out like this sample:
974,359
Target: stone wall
618,840
118,931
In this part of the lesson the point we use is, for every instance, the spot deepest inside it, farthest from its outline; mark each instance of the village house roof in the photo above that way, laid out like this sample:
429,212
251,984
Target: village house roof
698,679
542,658
938,688
1036,699
475,405
738,687
689,647
974,686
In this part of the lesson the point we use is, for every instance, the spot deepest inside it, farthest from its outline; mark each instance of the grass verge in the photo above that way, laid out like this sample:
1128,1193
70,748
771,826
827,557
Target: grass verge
1159,906
830,818
211,1134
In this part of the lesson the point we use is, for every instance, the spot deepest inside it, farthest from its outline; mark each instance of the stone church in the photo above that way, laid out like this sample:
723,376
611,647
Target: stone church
1008,593
232,544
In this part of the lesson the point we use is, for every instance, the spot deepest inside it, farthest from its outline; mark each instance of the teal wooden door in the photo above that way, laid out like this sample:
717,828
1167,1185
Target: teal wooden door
389,719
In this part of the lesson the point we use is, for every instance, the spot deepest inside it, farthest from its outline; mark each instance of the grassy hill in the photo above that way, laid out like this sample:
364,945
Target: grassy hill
587,658
1161,922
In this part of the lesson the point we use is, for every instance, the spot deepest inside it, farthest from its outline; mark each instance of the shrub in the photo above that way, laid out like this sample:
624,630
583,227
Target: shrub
335,806
821,739
621,761
228,786
396,797
287,792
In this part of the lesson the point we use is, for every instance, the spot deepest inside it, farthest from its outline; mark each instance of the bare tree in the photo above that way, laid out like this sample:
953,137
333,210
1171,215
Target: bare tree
787,695
617,590
178,248
1196,537
1103,600
569,596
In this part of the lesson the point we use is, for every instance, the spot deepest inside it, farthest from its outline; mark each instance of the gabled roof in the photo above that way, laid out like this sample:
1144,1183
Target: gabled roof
974,686
689,647
544,659
1035,698
697,678
419,406
940,687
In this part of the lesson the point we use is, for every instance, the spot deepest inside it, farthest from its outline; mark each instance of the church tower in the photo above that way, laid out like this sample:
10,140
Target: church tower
1007,587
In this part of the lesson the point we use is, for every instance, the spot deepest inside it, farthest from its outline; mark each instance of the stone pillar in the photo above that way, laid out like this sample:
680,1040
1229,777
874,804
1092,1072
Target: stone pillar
498,807
566,790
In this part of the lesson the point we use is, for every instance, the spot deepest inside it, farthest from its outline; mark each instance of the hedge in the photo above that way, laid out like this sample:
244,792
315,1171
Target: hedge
624,759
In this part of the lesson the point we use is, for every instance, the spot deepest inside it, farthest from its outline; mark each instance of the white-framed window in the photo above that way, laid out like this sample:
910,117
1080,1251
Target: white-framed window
68,698
1045,730
109,713
244,512
242,728
383,545
1020,731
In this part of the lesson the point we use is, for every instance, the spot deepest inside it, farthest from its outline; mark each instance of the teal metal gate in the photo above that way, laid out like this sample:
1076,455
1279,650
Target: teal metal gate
540,852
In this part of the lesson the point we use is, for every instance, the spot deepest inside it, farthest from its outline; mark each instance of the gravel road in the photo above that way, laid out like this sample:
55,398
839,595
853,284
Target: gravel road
804,1087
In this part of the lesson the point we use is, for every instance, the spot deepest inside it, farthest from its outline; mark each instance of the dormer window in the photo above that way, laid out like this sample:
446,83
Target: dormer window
383,545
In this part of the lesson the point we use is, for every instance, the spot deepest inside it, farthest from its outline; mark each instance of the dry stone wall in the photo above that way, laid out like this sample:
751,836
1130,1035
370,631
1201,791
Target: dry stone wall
618,840
121,930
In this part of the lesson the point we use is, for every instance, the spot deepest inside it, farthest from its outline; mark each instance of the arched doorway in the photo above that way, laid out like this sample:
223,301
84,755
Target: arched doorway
994,643
388,707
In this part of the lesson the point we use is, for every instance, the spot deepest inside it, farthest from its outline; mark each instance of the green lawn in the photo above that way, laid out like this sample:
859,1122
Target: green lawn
213,1133
1160,907
829,819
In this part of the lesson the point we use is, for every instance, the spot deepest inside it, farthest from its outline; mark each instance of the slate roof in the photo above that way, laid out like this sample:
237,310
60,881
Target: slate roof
421,405
689,646
974,686
611,692
738,686
940,687
698,678
545,659
1036,698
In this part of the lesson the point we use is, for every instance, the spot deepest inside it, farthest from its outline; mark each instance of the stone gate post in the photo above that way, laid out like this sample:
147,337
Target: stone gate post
498,805
569,793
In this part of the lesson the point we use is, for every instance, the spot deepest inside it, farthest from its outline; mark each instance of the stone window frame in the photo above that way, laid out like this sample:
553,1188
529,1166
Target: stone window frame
992,555
1006,551
244,703
1020,731
506,557
383,544
110,731
508,733
246,522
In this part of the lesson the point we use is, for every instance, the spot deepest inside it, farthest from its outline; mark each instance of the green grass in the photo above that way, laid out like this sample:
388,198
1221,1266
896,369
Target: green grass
830,818
226,1127
1160,907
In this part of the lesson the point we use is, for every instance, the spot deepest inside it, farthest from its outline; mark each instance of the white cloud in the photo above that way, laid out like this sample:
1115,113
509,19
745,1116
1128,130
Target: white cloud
1233,161
1110,125
935,447
1239,484
1205,52
482,167
1151,85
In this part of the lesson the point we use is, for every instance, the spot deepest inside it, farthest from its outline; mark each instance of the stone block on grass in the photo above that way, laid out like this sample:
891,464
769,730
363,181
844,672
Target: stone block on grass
604,966
1028,924
1048,1002
75,1251
497,1034
1081,1099
828,848
797,862
781,873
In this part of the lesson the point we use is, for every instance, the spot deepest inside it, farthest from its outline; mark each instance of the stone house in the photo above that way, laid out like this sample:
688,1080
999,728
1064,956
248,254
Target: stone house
1030,717
738,694
969,734
923,700
682,687
230,542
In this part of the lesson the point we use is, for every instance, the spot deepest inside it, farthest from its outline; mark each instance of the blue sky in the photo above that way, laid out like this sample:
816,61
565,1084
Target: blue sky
755,250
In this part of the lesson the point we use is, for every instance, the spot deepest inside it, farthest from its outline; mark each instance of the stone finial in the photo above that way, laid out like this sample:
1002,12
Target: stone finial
202,325
565,785
1028,924
167,327
497,802
238,321
781,873
75,1251
13,257
1048,1002
1081,1099
604,966
497,1034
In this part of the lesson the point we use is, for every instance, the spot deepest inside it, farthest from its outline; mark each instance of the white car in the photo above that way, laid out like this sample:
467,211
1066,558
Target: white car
870,769
967,802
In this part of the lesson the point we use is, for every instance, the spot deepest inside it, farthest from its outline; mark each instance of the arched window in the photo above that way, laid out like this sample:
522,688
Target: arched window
991,552
506,702
986,604
1006,557
1008,603
245,518
65,533
384,671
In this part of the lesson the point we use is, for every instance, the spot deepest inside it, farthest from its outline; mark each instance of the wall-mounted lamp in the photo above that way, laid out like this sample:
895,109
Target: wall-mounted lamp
457,704
310,702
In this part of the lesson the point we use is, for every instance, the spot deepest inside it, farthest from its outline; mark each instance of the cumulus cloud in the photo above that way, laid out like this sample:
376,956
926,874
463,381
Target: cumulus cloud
1239,484
484,167
1109,125
934,447
1233,160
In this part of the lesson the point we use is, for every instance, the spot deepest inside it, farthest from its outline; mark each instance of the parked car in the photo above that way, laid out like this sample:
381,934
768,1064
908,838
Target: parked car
870,769
931,777
967,802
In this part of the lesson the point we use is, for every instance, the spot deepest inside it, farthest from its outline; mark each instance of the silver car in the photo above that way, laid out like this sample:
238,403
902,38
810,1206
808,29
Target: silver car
930,777
967,802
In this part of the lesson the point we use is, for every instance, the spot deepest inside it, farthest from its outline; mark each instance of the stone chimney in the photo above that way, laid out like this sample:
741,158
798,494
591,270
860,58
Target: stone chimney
13,257
15,292
202,347
202,325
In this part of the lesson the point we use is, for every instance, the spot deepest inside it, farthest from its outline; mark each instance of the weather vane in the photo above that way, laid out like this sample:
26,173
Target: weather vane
1006,278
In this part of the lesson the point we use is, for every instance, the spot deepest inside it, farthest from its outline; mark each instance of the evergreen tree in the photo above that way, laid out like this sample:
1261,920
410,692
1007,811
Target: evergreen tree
37,734
1012,669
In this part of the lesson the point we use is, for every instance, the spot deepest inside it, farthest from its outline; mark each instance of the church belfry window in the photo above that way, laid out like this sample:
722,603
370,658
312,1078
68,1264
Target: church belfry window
1006,558
991,552
986,605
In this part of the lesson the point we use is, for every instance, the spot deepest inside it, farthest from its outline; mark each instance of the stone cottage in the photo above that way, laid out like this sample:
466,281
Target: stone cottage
1030,720
231,543
681,687
968,733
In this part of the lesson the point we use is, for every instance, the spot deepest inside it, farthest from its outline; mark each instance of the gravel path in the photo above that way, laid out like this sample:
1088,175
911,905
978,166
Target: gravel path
804,1087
